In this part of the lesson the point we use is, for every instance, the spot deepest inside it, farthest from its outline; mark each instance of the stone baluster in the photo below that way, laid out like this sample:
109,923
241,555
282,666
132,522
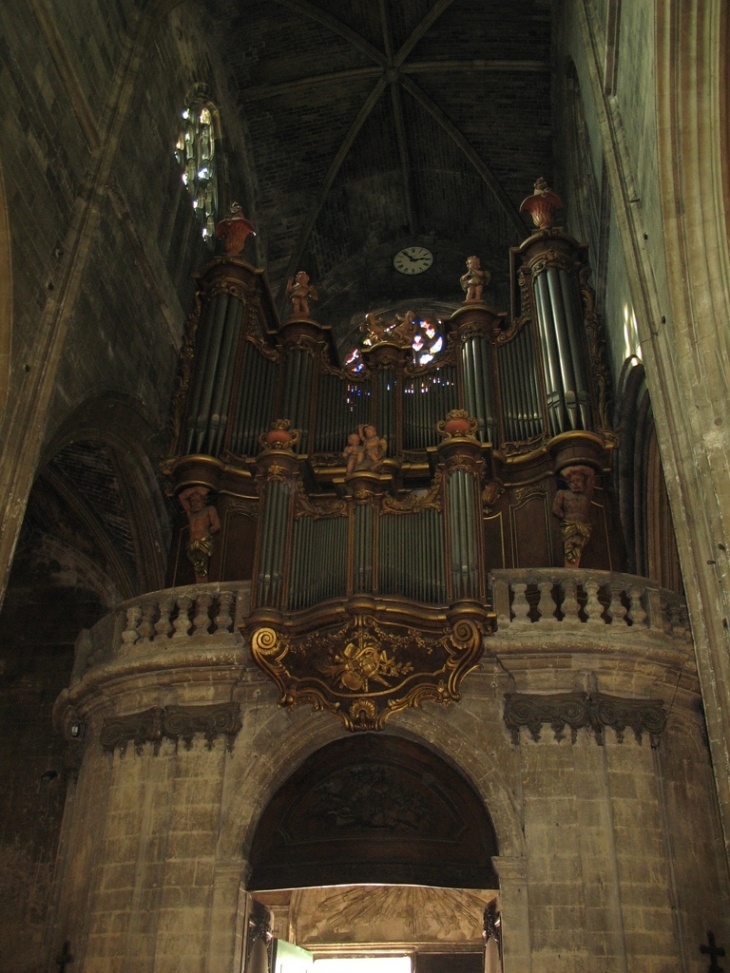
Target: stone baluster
637,615
500,599
655,612
201,620
594,608
223,619
520,605
617,609
675,616
129,635
182,623
163,626
546,605
146,630
570,606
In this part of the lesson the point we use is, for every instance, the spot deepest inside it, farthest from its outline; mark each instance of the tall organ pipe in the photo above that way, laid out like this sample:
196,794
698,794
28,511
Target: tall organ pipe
206,361
297,392
273,544
224,376
551,358
576,349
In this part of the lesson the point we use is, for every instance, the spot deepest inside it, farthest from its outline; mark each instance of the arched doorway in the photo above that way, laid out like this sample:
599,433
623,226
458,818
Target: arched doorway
376,845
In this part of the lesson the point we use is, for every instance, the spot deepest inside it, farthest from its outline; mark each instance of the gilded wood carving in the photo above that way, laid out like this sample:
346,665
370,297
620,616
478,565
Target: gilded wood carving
369,668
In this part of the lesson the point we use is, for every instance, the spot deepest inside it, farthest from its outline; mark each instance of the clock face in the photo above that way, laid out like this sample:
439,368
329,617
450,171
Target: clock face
413,260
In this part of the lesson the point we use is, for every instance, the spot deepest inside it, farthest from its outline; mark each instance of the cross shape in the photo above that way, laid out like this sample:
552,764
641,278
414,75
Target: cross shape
713,951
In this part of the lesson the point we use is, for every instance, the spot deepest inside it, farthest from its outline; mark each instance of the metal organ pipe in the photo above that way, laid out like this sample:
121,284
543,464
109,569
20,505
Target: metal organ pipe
224,376
576,348
207,359
551,358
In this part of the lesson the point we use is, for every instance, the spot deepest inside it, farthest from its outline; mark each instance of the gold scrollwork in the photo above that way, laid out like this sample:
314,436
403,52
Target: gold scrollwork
317,509
364,671
413,504
527,446
524,493
552,258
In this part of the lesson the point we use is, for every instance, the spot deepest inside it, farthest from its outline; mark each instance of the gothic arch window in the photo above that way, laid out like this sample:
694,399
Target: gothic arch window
196,151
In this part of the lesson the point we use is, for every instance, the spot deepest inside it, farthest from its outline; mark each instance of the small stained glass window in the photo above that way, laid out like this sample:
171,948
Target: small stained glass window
424,335
195,151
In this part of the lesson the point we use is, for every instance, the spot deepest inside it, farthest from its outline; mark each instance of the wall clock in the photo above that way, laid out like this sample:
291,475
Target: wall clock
412,260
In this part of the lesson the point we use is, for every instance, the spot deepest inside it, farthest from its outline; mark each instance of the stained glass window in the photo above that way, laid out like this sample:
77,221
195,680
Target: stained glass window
195,152
427,341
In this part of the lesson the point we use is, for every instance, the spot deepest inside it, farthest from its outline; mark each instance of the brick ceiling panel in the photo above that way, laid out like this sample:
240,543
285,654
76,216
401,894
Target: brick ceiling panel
363,16
265,43
491,30
506,120
405,17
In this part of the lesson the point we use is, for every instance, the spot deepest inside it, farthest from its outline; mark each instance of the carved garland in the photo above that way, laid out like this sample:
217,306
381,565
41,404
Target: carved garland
575,710
364,672
172,723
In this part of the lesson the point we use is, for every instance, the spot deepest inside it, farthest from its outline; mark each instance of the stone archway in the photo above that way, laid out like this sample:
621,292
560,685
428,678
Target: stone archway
375,843
374,809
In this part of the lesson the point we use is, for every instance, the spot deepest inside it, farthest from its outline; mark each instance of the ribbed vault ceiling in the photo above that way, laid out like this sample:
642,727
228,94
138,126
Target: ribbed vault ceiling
378,124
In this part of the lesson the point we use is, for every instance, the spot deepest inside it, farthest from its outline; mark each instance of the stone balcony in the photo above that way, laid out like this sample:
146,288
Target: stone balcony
547,620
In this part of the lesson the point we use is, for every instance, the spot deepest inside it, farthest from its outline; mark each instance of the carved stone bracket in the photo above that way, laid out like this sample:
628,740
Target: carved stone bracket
172,723
370,667
576,710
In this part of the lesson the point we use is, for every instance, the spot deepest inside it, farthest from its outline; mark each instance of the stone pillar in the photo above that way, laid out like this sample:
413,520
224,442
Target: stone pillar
516,945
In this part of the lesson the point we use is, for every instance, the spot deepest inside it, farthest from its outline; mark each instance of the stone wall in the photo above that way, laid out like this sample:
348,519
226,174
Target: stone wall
601,868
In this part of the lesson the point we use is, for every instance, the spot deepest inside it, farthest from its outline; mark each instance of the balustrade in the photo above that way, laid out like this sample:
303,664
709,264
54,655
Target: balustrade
165,618
540,600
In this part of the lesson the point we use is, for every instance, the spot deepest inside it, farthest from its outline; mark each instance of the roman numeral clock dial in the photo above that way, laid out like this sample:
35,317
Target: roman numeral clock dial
412,260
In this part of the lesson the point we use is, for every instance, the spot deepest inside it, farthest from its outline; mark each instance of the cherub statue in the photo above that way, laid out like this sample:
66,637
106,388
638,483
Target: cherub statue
234,229
203,522
474,280
365,450
573,508
300,292
405,330
374,329
353,452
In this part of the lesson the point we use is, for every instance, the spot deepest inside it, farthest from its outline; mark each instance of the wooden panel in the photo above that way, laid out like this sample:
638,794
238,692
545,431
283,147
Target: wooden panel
494,544
530,532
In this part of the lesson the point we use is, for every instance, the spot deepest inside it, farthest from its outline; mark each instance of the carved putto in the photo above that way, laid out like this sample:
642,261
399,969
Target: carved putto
365,450
542,204
400,331
474,280
203,522
573,508
234,229
300,292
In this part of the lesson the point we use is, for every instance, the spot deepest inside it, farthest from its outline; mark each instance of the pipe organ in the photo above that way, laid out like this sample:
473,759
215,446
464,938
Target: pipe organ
471,449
